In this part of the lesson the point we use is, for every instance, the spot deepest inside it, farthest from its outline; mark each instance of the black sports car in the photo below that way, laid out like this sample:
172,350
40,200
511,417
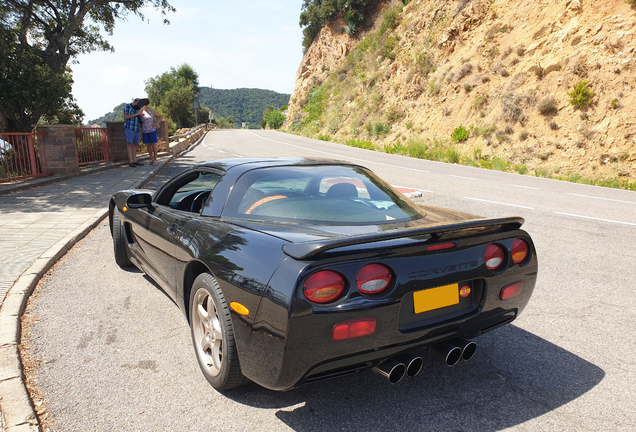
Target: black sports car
295,270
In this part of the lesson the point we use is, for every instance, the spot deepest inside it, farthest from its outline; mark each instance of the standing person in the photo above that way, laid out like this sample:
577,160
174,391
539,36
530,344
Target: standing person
149,121
131,129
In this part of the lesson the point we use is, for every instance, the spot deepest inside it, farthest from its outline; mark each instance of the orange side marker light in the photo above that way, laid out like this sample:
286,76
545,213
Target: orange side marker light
239,308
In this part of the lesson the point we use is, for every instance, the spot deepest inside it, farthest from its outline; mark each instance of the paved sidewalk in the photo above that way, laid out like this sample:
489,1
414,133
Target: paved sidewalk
38,226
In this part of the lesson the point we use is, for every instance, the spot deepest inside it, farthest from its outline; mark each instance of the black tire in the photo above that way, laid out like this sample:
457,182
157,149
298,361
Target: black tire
119,242
213,334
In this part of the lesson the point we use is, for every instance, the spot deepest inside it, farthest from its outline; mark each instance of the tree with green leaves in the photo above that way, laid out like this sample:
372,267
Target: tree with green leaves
316,13
38,39
273,118
173,92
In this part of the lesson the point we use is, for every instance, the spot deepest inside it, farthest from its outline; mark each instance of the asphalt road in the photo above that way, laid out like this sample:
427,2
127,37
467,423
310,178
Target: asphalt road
116,352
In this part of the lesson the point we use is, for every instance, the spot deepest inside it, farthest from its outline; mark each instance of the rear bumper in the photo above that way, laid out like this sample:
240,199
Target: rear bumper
310,354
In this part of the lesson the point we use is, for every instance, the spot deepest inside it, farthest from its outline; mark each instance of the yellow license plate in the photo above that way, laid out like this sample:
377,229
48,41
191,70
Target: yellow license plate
435,298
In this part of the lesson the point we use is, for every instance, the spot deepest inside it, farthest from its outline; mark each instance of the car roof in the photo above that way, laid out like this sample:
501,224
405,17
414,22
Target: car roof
252,163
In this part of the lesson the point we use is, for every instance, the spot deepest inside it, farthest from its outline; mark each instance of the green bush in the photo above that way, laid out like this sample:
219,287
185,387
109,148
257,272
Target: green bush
397,148
390,19
416,148
631,2
581,95
323,137
389,47
452,155
460,134
499,164
381,130
364,144
274,118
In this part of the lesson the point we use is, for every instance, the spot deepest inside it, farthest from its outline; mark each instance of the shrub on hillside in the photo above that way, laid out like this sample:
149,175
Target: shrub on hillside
581,95
548,107
460,134
480,101
512,108
463,71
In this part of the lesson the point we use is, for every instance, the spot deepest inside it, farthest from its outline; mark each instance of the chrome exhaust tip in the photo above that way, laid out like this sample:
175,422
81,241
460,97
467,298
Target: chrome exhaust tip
448,351
391,369
469,348
413,363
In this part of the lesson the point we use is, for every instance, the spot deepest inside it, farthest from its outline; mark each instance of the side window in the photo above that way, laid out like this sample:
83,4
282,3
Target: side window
191,192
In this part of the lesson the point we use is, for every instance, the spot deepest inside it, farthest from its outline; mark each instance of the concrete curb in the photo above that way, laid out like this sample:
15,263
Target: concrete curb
15,402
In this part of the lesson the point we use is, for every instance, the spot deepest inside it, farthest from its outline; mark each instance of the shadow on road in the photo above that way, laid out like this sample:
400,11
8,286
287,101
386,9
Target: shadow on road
515,377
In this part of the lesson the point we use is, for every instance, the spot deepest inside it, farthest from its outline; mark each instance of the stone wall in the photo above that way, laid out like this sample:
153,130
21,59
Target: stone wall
60,149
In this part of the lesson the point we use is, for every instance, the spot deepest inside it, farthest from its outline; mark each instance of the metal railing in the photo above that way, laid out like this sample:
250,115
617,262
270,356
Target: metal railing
21,156
92,145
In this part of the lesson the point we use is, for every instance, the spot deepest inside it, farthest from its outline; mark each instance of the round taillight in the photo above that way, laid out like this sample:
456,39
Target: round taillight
520,251
373,278
324,286
494,257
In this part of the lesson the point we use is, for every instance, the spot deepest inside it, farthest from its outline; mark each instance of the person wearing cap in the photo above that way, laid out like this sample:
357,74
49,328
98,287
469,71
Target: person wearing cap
132,112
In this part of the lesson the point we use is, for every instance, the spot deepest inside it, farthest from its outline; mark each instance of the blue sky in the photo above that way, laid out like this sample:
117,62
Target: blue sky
231,44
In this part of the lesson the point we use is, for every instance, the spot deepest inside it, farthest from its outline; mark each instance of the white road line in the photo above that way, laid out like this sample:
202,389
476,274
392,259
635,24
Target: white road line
496,202
598,219
338,155
525,187
235,155
606,199
221,151
462,177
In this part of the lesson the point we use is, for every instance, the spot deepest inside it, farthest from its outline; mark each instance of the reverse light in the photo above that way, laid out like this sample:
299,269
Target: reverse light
520,251
324,286
373,278
353,329
494,257
511,290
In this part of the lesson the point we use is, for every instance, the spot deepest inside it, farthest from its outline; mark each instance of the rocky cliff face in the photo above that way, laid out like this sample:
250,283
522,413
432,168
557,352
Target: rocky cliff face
500,68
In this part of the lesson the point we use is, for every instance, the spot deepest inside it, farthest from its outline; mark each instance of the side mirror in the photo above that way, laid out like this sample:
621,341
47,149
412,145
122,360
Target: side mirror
139,200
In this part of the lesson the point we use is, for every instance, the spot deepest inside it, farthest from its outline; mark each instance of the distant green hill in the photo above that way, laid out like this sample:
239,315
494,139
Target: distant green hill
244,105
117,114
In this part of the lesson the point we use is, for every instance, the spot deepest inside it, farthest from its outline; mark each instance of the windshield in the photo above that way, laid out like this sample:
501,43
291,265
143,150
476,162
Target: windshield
322,195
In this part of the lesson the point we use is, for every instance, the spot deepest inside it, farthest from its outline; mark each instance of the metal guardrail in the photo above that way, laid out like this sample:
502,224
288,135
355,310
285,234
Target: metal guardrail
92,145
21,156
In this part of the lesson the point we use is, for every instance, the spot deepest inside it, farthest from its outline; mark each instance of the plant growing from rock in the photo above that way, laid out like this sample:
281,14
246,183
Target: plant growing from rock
581,95
548,107
460,134
480,101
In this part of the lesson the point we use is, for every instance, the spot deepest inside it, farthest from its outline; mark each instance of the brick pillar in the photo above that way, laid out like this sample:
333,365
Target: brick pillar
118,147
60,149
163,138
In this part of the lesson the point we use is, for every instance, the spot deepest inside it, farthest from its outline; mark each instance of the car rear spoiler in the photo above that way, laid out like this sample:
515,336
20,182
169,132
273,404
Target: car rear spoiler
310,250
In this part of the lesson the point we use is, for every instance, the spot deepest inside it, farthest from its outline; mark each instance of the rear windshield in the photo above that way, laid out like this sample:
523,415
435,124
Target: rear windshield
325,195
